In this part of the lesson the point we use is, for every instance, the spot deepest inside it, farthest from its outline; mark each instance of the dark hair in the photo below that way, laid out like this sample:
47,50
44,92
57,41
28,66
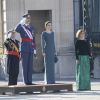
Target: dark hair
26,15
46,23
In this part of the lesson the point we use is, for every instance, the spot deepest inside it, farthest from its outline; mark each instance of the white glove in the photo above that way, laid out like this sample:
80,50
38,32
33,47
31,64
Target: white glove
34,51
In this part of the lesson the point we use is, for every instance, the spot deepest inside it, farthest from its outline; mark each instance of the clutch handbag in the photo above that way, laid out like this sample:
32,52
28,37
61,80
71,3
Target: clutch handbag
56,59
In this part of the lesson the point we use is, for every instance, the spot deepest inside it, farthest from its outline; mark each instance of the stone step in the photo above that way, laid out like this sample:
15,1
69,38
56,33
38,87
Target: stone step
15,89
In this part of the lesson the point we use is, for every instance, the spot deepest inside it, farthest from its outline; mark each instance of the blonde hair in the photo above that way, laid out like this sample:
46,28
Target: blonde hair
79,32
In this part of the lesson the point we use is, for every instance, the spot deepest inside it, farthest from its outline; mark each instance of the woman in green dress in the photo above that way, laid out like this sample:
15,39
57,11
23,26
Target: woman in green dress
82,50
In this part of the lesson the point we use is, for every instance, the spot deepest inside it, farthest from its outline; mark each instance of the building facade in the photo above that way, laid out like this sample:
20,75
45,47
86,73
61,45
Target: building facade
66,20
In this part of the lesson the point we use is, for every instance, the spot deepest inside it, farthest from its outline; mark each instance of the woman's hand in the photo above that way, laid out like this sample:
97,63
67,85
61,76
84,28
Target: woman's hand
44,54
77,61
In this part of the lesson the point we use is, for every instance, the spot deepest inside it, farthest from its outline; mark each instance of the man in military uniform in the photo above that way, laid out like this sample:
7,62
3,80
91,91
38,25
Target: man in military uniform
12,51
27,47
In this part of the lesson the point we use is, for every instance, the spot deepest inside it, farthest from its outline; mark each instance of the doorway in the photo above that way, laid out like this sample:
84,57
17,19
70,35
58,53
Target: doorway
38,19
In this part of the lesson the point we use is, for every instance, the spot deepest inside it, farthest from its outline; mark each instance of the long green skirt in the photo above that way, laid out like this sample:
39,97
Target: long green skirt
83,73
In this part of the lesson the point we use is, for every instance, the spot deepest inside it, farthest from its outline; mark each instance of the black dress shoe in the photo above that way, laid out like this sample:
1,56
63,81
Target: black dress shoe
11,84
29,92
54,91
30,84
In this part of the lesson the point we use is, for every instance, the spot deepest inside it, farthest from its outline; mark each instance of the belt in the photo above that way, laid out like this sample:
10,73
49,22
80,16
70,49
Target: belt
27,40
13,53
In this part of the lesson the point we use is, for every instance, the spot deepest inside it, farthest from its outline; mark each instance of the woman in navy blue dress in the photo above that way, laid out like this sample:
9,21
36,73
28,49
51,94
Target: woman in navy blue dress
48,50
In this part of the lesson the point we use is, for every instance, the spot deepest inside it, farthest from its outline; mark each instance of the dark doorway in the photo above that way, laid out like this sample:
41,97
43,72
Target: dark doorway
38,19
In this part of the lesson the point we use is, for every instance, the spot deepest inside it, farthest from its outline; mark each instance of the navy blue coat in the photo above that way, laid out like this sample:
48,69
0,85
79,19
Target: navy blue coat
26,46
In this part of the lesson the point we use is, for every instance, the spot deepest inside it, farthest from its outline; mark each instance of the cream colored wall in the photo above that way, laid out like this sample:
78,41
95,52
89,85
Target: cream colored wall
66,43
66,23
1,22
15,10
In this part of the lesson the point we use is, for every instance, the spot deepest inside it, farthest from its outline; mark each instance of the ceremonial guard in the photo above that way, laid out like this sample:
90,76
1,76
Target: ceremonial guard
28,48
12,51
